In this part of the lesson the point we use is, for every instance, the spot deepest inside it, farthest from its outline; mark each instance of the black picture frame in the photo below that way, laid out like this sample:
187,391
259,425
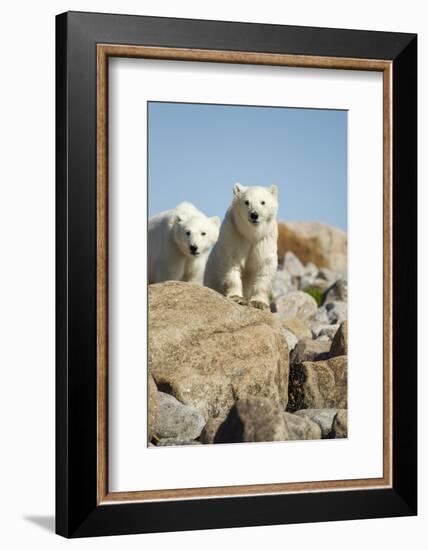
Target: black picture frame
77,511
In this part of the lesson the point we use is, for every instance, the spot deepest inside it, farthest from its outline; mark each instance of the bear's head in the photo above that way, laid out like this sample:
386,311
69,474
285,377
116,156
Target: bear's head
255,206
195,235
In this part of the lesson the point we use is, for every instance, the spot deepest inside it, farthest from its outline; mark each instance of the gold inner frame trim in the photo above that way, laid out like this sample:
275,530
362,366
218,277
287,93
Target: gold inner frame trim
104,51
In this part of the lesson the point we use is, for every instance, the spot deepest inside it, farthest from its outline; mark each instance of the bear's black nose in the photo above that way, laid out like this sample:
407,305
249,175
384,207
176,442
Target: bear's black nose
254,216
193,249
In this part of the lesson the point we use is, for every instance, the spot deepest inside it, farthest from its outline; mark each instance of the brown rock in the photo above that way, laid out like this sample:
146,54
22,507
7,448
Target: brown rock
340,424
319,384
253,419
301,427
210,430
208,351
310,350
153,406
339,346
315,242
323,417
297,327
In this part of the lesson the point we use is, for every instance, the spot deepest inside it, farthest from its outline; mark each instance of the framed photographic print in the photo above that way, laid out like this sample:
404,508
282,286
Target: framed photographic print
236,274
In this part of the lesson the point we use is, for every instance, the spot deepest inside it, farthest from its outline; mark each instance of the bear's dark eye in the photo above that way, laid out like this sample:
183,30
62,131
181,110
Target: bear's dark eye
187,232
203,234
263,203
247,202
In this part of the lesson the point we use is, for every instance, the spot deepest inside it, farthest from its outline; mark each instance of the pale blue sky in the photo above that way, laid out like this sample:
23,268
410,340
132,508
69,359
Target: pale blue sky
197,152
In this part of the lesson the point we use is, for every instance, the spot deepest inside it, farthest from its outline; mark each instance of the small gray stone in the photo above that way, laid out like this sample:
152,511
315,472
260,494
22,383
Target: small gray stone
293,265
177,421
319,329
321,316
311,270
296,304
327,274
290,337
323,417
306,281
282,284
337,312
322,338
338,291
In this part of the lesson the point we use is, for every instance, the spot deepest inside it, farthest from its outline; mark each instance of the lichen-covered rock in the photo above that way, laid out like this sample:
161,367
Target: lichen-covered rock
178,421
297,327
153,406
339,346
296,304
337,292
253,419
340,425
319,385
310,350
323,417
208,351
301,427
324,245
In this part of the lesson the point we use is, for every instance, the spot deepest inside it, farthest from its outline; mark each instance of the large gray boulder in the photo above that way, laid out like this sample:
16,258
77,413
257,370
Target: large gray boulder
208,351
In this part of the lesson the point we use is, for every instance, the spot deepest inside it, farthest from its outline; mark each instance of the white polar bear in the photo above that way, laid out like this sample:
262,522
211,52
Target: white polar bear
178,244
243,262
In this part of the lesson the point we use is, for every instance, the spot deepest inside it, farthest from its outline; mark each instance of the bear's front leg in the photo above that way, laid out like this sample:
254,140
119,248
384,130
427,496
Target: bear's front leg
260,285
232,285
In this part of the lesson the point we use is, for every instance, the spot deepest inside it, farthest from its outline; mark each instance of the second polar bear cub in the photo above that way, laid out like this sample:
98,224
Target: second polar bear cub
243,262
178,244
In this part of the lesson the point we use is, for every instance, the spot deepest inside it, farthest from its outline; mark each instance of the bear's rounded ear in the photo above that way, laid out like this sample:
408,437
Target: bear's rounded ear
216,220
274,190
237,189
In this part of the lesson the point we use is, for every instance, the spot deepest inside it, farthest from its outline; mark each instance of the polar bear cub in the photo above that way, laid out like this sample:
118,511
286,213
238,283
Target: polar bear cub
178,244
243,262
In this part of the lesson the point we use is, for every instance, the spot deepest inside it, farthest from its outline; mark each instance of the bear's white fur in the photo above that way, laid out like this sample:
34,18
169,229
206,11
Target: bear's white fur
243,262
178,244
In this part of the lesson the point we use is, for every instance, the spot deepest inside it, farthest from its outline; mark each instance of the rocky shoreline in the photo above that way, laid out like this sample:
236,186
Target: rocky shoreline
220,372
